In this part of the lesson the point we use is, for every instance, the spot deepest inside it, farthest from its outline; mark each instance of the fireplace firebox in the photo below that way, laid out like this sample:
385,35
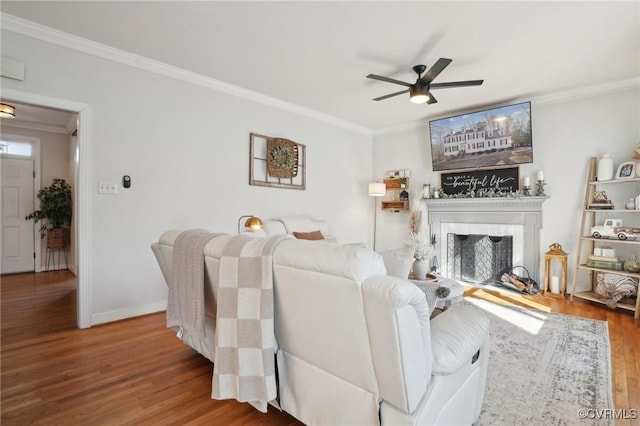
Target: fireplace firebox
478,258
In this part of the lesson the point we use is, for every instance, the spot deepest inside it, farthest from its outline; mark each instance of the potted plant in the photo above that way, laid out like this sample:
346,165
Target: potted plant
54,213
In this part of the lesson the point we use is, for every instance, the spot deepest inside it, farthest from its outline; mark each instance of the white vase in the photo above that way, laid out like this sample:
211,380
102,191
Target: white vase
630,204
420,269
605,168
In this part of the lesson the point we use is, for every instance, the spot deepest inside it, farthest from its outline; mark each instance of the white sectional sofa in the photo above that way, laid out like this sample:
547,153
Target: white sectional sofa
355,346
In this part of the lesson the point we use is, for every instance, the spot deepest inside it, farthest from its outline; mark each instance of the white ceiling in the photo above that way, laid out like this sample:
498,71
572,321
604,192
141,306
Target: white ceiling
317,54
41,118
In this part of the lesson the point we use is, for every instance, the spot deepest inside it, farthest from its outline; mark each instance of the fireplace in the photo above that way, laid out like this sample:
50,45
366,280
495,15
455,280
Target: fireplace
478,258
518,219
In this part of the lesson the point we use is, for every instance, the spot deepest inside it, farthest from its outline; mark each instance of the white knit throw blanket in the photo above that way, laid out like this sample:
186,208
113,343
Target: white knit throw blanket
185,304
244,366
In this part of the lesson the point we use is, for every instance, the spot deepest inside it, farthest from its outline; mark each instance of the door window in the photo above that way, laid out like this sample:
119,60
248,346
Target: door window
21,149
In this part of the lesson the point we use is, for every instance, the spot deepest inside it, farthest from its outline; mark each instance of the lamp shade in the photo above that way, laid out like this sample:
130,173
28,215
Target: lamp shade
377,189
7,111
252,222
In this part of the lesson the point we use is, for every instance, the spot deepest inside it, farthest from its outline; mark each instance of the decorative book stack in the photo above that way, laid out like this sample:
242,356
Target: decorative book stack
605,205
604,258
600,201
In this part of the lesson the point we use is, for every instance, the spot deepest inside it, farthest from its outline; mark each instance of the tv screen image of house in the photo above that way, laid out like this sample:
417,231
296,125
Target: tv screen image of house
490,138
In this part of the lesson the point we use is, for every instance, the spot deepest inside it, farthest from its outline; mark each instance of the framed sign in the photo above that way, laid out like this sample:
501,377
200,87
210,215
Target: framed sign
484,181
276,162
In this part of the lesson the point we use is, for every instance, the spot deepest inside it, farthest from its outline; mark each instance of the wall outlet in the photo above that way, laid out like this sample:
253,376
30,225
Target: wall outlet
107,187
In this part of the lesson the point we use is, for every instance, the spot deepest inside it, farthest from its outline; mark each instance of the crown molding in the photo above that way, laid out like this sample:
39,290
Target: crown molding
36,126
587,92
404,127
50,35
72,124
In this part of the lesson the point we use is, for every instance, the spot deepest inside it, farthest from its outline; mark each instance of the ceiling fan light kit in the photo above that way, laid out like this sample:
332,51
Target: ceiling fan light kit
419,92
419,95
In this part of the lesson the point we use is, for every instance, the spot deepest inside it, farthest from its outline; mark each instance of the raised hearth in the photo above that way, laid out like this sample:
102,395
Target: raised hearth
519,217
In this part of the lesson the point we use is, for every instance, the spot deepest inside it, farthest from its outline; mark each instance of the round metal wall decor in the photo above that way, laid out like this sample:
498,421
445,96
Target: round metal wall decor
282,158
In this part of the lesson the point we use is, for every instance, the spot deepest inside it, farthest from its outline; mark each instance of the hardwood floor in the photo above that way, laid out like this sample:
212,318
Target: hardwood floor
128,372
137,372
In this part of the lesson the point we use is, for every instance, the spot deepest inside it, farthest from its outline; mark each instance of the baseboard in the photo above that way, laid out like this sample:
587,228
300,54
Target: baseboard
61,267
134,311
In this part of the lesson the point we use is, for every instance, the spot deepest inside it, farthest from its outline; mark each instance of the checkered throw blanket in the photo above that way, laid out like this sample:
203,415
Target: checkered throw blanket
244,365
185,302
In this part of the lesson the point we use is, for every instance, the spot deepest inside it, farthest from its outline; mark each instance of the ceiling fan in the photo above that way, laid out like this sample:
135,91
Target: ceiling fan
420,91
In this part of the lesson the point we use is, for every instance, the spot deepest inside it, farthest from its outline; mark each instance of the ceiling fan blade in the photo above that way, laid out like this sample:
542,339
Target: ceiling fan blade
391,95
456,84
436,69
432,100
388,80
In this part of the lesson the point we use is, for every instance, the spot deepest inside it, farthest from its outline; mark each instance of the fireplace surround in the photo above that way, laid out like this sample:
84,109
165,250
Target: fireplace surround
518,217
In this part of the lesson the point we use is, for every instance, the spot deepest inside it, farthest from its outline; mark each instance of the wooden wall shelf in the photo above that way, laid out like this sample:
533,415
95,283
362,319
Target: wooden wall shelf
396,197
395,206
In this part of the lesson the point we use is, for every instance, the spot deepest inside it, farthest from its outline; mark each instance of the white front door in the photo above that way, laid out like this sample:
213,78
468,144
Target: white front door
17,202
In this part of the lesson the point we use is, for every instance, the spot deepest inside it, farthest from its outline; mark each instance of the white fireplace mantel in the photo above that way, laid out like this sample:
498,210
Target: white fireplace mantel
510,204
525,212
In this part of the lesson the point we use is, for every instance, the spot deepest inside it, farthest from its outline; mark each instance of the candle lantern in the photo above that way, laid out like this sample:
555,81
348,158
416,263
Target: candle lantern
556,253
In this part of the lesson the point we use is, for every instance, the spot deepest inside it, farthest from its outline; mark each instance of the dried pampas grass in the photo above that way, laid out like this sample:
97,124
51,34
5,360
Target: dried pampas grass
415,221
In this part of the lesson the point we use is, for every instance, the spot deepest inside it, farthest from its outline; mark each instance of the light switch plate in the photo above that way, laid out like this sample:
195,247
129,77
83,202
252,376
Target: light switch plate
107,187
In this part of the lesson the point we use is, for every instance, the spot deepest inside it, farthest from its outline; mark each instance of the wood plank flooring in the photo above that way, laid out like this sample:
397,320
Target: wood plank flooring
137,372
128,372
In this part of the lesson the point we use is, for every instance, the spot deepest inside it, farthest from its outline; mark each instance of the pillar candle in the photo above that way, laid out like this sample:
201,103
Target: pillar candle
527,181
555,284
540,175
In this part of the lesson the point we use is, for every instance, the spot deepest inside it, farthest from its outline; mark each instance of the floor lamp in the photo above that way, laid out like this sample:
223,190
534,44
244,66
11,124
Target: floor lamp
376,189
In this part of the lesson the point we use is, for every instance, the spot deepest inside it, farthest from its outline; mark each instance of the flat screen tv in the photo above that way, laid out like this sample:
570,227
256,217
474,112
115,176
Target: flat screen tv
490,138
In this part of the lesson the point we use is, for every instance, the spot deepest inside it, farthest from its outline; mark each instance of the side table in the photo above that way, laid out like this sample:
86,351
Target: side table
430,287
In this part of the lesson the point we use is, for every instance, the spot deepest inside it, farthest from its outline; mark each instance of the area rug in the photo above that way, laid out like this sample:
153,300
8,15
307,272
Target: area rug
545,368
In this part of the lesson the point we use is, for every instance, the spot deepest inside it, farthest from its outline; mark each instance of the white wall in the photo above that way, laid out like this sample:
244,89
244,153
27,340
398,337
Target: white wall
565,135
186,149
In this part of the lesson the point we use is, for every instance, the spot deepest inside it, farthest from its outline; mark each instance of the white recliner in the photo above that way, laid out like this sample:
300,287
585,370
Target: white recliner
357,347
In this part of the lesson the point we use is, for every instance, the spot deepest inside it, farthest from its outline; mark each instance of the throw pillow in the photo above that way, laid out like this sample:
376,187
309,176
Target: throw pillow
398,261
313,235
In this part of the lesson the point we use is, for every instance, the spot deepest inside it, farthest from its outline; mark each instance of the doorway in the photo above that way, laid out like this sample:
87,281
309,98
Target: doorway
18,252
81,196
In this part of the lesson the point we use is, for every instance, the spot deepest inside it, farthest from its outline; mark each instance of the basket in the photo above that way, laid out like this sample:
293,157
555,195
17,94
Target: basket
57,238
282,158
